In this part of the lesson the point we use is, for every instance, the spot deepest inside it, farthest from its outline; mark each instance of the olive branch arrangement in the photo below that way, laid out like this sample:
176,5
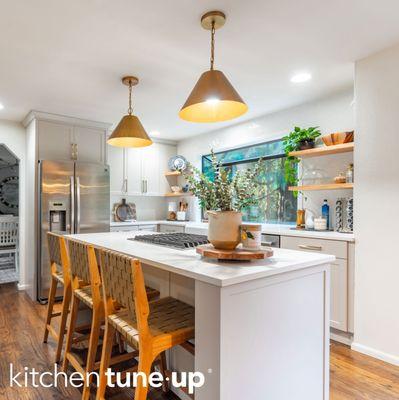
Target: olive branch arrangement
224,193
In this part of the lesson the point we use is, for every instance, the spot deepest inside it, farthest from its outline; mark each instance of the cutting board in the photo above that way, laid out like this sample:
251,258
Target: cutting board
238,254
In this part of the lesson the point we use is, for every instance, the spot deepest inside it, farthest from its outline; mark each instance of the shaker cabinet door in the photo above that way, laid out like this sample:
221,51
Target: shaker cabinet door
151,171
117,176
90,144
54,141
134,172
339,295
339,273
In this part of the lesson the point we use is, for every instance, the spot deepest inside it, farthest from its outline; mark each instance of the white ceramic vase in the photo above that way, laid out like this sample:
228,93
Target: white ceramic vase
224,229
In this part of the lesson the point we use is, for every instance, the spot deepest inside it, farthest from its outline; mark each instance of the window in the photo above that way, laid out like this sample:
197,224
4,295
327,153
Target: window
276,203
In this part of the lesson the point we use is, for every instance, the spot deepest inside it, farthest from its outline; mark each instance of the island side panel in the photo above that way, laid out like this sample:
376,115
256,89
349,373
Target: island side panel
207,339
275,337
181,288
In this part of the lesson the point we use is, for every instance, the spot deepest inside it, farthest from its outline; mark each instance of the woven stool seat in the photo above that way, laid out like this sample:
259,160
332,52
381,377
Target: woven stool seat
167,316
85,295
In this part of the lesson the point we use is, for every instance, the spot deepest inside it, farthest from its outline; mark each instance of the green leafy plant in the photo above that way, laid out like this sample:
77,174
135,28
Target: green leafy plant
292,142
223,193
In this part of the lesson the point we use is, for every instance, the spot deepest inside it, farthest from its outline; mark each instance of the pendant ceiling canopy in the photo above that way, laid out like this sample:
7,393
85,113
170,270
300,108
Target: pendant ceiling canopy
129,132
213,98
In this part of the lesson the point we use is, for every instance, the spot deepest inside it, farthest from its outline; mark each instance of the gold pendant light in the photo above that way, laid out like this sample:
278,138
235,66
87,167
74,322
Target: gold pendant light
213,98
129,132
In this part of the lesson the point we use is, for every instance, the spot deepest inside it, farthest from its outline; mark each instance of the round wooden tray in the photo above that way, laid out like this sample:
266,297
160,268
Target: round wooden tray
239,254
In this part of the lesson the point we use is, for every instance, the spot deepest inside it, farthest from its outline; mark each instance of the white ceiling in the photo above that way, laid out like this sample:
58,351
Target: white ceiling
67,56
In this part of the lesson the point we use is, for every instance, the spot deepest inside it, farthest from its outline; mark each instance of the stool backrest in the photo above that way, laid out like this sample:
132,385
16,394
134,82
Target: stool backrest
123,282
8,231
79,260
58,254
84,269
54,250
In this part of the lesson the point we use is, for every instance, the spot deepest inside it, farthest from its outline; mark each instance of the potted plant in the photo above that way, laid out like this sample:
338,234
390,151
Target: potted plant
223,198
298,139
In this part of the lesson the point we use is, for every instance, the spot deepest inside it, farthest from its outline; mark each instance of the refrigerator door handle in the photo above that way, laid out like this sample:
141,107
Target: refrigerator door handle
77,205
72,210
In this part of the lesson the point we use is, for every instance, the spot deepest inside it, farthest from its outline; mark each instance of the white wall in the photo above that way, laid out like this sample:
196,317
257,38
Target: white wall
12,134
376,199
332,114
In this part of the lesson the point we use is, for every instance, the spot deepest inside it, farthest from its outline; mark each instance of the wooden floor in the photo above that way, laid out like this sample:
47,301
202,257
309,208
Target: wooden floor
353,376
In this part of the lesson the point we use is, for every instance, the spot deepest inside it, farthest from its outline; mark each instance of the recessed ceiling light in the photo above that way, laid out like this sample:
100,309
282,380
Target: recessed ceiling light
1,106
301,77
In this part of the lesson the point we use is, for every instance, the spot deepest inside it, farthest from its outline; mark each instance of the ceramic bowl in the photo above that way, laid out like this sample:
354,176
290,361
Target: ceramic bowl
338,138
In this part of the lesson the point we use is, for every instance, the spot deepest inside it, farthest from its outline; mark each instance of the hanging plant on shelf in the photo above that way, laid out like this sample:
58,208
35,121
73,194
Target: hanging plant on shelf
298,139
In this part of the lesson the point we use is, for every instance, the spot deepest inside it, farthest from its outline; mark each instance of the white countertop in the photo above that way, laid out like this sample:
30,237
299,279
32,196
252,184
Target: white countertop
188,263
271,229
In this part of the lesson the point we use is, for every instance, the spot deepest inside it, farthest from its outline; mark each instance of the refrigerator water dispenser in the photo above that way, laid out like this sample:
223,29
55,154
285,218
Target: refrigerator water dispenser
57,219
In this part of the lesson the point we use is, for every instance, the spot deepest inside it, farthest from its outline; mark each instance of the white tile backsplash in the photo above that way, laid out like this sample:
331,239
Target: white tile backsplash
147,207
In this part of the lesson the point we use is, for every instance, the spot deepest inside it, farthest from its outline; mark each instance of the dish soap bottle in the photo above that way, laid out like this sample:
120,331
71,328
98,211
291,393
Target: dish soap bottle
325,212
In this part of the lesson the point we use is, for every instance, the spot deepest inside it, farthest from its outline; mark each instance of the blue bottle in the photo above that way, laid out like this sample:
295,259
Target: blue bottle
325,212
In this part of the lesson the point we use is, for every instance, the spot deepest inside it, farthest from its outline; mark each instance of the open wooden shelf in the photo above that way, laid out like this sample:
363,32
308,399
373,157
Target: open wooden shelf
325,150
172,173
327,186
180,194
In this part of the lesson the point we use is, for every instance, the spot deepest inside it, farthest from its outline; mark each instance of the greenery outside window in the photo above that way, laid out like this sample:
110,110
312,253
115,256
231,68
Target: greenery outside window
277,205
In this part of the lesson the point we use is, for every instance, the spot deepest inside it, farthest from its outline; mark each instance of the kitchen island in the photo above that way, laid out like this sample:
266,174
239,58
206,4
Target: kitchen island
262,327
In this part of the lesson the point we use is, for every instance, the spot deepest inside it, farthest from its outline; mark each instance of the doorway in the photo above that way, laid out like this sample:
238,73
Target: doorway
9,216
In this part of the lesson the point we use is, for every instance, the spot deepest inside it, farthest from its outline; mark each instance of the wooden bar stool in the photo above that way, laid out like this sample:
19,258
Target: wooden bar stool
86,288
152,327
59,264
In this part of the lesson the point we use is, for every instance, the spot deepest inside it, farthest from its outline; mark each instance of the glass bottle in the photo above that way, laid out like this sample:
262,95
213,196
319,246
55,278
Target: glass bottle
349,174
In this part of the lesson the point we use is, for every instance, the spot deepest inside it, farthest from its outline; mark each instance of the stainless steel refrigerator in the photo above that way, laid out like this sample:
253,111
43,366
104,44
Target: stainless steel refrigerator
74,197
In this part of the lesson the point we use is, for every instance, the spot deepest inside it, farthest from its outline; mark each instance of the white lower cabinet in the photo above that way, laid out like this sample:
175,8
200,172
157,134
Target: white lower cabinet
339,295
125,228
340,311
170,228
148,228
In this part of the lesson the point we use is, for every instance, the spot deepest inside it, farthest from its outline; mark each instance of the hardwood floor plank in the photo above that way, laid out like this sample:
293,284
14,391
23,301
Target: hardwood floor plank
354,376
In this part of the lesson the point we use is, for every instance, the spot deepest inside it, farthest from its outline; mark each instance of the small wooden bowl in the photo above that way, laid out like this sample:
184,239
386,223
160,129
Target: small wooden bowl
338,138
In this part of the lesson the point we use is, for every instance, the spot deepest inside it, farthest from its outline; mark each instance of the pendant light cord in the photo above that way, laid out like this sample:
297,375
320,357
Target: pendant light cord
130,109
212,45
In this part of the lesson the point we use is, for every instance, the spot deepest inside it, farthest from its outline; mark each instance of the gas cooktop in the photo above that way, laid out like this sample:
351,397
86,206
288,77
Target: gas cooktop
175,240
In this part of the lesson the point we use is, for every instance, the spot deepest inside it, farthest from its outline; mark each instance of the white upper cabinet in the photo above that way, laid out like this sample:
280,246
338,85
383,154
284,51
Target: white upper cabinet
140,171
89,144
134,178
151,170
54,141
66,140
117,174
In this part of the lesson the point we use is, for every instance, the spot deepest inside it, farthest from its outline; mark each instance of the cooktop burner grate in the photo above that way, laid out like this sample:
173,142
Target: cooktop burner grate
176,240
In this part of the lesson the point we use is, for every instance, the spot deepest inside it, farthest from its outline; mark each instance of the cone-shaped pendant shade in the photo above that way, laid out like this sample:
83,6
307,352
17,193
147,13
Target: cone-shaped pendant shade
213,99
129,133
